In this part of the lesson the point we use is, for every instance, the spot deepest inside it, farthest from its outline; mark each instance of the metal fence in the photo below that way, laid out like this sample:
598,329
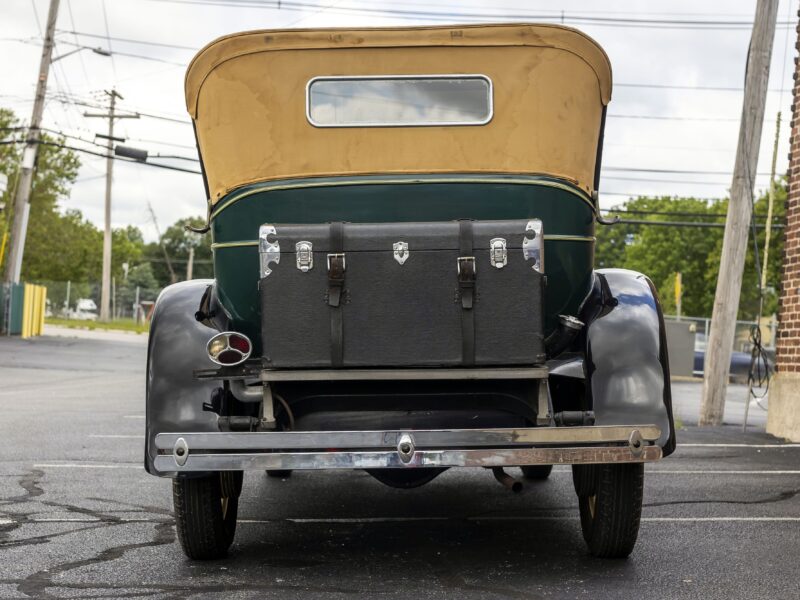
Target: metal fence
741,339
81,300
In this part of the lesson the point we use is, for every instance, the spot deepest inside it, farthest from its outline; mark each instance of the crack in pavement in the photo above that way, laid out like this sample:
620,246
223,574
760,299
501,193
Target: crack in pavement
780,497
36,584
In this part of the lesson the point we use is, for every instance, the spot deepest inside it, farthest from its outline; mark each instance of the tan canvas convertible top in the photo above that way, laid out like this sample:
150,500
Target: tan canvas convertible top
247,95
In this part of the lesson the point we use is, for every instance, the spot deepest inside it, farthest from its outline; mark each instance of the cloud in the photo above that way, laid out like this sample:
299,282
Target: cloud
656,56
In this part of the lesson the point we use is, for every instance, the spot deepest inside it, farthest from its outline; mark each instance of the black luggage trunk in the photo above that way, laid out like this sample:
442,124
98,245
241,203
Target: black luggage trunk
458,293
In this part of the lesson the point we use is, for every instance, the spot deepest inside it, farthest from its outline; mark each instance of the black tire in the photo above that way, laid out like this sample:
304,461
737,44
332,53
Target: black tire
205,517
279,473
584,478
610,517
537,472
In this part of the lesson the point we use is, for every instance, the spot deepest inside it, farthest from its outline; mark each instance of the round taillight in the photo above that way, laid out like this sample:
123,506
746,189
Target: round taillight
239,342
229,348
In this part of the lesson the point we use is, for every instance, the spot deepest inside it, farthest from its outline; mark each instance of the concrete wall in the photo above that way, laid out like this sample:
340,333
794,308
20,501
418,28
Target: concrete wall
783,416
680,344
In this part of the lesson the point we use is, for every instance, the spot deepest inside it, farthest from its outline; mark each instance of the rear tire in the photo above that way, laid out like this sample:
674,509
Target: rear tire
610,516
537,472
279,473
205,513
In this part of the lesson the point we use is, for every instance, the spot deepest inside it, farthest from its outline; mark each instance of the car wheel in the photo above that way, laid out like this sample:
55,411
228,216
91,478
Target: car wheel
279,473
205,513
537,472
610,516
584,478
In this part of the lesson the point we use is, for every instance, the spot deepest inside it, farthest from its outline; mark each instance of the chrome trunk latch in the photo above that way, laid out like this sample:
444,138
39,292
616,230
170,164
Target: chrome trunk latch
533,244
304,252
268,251
400,252
498,254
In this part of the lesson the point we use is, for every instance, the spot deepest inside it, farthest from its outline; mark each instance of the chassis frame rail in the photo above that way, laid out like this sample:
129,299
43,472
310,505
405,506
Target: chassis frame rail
234,451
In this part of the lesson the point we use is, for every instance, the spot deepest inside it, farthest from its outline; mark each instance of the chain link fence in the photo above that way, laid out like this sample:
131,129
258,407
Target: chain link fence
80,301
741,338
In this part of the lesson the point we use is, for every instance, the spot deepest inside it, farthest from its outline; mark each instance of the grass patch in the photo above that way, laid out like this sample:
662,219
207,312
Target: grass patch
118,325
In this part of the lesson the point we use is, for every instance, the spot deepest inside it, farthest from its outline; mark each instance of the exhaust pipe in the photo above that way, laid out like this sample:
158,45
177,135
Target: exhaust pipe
515,485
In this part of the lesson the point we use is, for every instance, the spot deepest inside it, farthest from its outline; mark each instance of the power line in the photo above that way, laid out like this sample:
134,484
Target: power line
672,171
80,54
686,24
716,215
685,224
128,40
103,155
130,55
712,88
108,38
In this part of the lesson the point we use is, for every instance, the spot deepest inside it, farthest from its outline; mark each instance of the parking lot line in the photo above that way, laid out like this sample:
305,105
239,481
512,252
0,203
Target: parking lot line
76,465
738,445
720,472
87,466
366,520
369,520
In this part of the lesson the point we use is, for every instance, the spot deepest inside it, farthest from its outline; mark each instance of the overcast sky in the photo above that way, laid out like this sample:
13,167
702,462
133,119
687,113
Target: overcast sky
693,129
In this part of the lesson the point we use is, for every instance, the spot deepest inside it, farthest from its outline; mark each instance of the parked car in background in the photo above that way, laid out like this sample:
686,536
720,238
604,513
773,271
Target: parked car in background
85,310
740,362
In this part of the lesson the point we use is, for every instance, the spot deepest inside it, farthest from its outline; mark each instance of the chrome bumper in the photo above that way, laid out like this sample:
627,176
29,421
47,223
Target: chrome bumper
188,452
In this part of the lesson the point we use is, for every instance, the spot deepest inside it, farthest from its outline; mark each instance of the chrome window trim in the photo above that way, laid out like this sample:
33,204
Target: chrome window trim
486,78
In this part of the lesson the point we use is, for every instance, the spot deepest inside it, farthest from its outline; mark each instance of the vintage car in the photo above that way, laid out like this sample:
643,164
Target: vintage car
403,228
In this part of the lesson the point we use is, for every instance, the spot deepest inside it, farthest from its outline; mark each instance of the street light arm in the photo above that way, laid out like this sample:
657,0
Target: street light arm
100,51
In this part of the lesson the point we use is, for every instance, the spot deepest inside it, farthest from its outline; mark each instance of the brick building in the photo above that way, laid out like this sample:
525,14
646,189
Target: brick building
783,418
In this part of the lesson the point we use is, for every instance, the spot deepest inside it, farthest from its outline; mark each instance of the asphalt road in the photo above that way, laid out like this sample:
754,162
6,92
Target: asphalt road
79,518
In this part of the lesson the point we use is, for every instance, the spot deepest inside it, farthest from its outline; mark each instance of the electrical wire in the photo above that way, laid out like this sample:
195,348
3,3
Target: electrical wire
102,155
450,16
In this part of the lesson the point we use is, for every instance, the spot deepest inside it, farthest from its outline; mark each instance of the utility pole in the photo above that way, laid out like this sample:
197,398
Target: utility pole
173,278
734,244
105,288
22,196
190,264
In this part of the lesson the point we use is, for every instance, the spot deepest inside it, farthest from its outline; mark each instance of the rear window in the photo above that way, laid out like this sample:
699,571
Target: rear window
399,101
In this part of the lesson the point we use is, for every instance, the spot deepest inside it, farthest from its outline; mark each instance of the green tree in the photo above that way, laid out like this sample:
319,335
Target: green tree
176,242
662,251
749,301
52,239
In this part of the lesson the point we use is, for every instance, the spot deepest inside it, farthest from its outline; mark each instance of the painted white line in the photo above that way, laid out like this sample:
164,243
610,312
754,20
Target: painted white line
719,519
81,520
334,521
133,416
657,471
368,520
87,520
738,445
373,520
559,471
720,472
115,436
85,466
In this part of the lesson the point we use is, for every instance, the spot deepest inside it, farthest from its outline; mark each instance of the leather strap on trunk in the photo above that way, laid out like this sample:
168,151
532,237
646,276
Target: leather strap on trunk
466,288
336,269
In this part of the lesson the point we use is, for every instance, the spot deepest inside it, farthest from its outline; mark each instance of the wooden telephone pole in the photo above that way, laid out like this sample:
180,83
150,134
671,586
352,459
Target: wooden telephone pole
734,245
22,195
105,287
